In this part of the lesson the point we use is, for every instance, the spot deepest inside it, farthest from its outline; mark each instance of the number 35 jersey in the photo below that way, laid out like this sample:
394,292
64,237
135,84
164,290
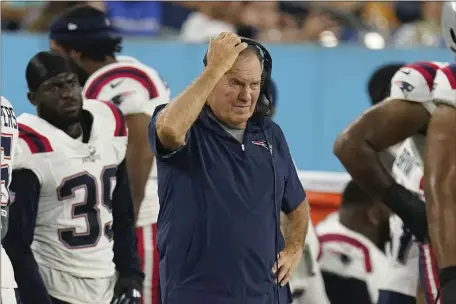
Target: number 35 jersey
9,150
73,230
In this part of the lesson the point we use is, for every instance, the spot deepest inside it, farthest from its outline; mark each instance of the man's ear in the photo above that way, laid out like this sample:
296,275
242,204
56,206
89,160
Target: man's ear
32,98
75,55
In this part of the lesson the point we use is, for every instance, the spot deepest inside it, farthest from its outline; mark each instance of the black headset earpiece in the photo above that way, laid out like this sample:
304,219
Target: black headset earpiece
264,104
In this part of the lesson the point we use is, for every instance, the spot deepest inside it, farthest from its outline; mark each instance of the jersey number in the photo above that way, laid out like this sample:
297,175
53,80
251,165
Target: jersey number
88,209
6,144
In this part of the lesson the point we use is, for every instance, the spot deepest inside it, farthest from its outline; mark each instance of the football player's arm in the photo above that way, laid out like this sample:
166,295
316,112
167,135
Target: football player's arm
4,210
139,157
25,187
137,104
358,148
440,176
125,243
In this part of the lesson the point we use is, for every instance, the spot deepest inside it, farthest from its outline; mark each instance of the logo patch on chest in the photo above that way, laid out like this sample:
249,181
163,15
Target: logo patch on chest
263,144
92,157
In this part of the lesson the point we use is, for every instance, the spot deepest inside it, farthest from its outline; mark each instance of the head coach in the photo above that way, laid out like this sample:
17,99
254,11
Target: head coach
224,174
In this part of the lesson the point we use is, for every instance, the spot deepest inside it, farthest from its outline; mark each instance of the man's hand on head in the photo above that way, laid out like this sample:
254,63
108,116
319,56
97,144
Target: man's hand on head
223,51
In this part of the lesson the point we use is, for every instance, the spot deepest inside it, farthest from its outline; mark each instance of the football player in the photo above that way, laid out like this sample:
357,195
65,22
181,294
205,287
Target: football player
353,242
85,34
403,116
440,165
71,235
10,150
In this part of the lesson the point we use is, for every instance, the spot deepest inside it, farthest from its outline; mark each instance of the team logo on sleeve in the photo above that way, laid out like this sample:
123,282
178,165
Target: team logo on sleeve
405,87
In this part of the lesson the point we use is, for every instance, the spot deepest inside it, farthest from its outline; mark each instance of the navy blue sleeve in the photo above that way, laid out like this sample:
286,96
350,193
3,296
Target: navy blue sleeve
25,187
158,149
125,242
294,193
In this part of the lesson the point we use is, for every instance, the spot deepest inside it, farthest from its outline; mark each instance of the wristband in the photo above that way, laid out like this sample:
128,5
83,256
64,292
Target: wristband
409,208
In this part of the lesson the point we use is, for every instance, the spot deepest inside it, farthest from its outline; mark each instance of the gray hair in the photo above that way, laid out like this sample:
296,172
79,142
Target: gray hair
251,49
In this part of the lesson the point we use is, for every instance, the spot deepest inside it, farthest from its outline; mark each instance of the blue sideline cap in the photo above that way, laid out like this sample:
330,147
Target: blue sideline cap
82,22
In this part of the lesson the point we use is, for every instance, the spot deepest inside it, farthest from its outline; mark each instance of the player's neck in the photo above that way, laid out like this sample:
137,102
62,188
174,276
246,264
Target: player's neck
94,66
74,131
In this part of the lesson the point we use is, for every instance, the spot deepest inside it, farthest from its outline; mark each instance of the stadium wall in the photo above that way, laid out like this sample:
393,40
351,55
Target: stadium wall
320,89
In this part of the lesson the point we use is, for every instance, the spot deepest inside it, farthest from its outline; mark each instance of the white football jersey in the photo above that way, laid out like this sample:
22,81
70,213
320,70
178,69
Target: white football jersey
73,230
350,254
307,276
135,88
408,171
408,167
10,150
445,85
9,136
414,82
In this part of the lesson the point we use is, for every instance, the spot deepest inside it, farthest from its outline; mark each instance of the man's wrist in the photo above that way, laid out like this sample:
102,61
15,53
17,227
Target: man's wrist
294,246
215,71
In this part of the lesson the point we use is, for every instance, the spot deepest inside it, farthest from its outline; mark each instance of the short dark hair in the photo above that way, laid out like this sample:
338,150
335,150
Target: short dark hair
91,47
353,196
379,83
45,65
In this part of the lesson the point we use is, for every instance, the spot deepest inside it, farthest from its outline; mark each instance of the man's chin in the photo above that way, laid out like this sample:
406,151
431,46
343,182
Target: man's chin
70,119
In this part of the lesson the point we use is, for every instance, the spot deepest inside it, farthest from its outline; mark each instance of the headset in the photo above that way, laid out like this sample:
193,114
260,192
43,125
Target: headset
263,108
264,104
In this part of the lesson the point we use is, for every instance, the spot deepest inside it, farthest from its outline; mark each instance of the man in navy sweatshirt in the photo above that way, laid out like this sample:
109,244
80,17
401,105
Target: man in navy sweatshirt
224,174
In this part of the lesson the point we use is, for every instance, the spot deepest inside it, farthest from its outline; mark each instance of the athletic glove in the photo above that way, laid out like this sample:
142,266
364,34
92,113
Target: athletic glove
127,291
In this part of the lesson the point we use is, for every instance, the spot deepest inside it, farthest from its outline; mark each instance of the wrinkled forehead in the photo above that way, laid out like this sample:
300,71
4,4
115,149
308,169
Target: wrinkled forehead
247,67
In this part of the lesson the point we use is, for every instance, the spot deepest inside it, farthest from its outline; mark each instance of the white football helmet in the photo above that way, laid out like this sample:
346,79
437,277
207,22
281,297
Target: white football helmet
449,24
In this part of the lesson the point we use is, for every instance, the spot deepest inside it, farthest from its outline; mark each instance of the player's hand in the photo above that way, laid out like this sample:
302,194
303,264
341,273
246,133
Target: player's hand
127,291
288,260
224,50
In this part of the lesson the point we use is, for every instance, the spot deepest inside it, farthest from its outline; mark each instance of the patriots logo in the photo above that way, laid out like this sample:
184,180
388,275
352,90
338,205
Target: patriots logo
405,87
118,99
263,144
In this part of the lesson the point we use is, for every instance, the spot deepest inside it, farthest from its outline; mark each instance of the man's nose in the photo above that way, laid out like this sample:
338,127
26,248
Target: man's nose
65,92
245,95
